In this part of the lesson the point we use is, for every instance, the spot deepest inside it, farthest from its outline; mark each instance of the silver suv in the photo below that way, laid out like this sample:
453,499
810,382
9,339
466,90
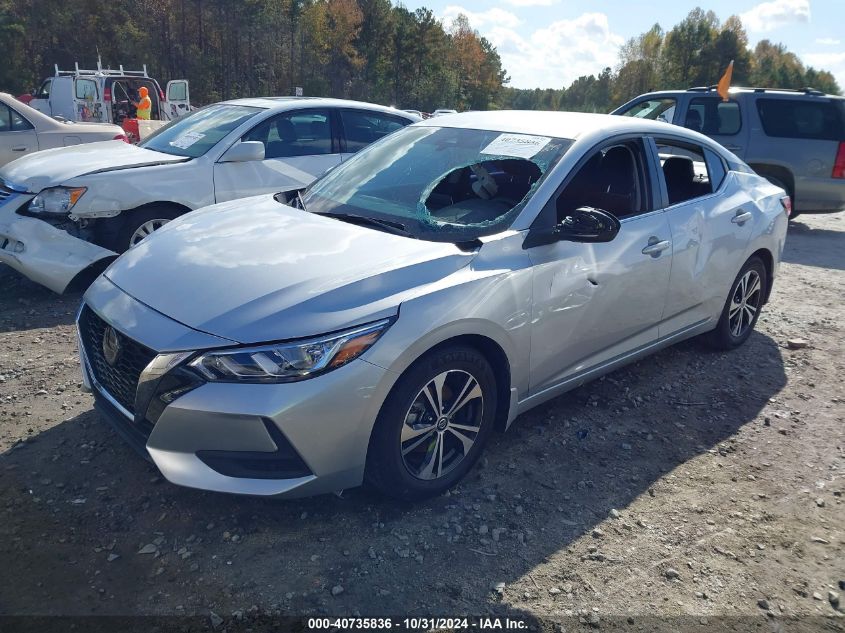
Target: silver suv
794,138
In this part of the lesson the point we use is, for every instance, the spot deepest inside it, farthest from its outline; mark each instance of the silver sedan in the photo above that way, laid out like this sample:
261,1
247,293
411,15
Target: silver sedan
426,292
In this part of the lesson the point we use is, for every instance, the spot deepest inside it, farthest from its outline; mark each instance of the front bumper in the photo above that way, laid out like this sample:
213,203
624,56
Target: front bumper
47,255
317,429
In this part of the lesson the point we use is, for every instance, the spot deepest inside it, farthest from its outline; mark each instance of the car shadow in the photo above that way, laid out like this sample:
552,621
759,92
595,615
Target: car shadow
74,496
811,246
24,304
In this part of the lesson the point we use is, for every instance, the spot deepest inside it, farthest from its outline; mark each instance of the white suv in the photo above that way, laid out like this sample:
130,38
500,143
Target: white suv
68,211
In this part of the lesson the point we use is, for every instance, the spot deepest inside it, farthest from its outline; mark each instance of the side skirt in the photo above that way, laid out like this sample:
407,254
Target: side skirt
594,372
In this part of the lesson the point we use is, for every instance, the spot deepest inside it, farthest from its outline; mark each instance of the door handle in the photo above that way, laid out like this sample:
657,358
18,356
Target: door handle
19,148
733,148
741,217
656,246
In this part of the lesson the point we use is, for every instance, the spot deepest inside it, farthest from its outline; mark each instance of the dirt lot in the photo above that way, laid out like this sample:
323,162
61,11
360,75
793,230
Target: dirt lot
692,483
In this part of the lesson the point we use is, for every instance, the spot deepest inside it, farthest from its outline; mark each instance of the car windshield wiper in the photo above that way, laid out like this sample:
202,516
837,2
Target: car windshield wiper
390,226
300,200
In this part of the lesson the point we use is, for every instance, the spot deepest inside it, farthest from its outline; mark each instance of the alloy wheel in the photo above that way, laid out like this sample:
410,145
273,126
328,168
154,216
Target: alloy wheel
745,302
146,229
442,424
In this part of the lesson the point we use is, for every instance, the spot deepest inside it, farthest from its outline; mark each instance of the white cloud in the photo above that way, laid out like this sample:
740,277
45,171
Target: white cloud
551,57
828,41
769,16
531,3
480,20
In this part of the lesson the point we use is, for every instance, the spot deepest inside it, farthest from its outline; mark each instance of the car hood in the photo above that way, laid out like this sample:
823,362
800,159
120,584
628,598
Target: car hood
53,167
254,270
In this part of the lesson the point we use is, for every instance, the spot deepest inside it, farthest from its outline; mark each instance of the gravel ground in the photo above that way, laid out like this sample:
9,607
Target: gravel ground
698,484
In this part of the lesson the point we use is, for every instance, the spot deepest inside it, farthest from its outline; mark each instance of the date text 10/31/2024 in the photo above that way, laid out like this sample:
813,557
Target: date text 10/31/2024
416,624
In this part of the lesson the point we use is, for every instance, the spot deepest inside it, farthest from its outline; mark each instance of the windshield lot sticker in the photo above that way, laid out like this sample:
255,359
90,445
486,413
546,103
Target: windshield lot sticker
187,139
517,145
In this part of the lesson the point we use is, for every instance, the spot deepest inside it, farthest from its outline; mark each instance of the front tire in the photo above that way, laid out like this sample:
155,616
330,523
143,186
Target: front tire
140,223
433,426
742,308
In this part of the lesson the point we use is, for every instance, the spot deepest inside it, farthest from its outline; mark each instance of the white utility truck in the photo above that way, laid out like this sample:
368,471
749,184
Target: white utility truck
108,96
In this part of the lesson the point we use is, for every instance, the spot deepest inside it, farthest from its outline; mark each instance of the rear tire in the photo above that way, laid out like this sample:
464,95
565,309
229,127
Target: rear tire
742,307
139,223
419,448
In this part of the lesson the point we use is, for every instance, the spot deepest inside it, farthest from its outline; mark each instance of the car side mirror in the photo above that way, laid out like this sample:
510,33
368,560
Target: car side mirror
585,224
244,152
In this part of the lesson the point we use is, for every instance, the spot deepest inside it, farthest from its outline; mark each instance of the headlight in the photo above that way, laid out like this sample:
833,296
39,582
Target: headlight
288,362
56,200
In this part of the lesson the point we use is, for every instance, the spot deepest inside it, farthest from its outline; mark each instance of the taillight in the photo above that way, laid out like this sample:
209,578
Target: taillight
106,94
121,137
160,94
786,203
839,163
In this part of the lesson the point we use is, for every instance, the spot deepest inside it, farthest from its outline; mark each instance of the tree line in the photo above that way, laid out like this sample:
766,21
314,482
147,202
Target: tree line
695,52
371,50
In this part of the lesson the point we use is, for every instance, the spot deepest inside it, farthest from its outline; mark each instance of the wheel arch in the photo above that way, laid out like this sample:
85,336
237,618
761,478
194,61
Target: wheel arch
109,228
159,203
784,174
765,255
499,363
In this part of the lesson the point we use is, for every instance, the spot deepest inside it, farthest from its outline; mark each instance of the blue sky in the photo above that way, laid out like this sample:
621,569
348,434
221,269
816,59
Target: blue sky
549,43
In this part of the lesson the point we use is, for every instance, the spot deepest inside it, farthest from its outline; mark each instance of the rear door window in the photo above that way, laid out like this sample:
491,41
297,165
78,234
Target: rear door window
802,118
86,90
686,172
362,127
713,117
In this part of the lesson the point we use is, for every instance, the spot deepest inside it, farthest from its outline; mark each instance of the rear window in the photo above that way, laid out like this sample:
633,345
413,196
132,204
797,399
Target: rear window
802,118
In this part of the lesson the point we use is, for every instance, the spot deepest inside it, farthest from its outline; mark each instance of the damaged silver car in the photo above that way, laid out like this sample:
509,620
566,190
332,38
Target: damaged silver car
426,292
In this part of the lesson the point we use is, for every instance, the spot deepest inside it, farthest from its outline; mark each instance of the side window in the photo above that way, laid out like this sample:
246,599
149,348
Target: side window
685,171
714,117
655,109
19,123
11,121
86,90
299,133
44,90
801,118
715,168
177,91
613,179
361,127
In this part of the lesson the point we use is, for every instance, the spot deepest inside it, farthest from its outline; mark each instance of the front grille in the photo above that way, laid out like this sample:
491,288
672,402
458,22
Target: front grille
120,380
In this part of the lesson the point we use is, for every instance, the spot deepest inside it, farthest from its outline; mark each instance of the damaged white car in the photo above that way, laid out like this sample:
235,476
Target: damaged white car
65,213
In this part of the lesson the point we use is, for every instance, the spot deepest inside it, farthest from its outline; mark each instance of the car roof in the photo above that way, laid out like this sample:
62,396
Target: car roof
570,125
735,90
289,103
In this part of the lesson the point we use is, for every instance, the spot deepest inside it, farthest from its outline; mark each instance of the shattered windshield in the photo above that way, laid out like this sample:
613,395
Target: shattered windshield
439,184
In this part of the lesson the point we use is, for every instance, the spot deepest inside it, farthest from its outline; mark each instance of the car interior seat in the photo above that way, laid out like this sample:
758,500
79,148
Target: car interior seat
680,178
617,182
321,142
693,121
286,145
